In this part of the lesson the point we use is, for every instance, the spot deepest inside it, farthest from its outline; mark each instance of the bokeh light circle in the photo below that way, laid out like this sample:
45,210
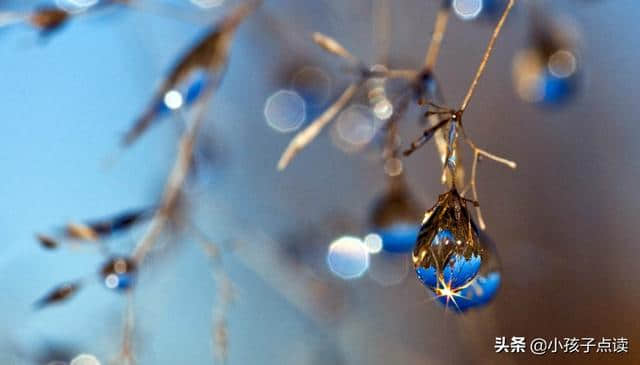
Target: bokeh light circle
389,269
467,9
562,64
383,109
285,111
356,126
84,359
373,242
393,166
173,99
348,257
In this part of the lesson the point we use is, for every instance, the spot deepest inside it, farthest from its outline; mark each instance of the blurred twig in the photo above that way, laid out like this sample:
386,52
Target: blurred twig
485,57
303,138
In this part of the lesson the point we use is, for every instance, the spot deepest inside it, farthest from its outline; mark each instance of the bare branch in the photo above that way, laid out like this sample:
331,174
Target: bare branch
439,28
333,46
126,356
303,138
175,181
485,57
382,29
477,154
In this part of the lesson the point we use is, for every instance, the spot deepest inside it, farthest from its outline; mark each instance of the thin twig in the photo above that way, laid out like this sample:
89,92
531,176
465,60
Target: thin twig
334,47
382,29
485,57
477,154
224,295
439,28
175,181
409,75
126,356
303,138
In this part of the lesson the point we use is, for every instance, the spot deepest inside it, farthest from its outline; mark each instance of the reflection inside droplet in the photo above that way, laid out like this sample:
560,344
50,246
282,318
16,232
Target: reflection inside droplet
285,111
538,79
348,257
467,9
478,293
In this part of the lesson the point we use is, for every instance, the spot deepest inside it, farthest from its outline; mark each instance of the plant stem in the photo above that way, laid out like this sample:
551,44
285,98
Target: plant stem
485,57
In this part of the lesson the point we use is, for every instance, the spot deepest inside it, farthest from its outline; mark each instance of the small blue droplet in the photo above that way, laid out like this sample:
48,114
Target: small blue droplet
400,237
556,90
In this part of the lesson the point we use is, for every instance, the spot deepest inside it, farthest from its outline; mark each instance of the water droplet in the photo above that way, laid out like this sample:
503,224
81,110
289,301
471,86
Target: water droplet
447,252
285,111
395,218
119,273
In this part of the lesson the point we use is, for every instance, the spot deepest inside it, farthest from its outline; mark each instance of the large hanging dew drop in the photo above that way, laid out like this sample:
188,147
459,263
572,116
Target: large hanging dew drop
119,273
395,218
482,289
448,253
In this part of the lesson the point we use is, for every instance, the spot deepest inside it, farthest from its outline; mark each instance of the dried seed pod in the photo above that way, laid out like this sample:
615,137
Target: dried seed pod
81,231
102,228
47,242
119,273
118,223
209,55
395,218
58,294
448,252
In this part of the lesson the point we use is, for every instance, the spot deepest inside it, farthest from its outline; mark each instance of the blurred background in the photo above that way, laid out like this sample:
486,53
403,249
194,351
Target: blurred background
564,222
